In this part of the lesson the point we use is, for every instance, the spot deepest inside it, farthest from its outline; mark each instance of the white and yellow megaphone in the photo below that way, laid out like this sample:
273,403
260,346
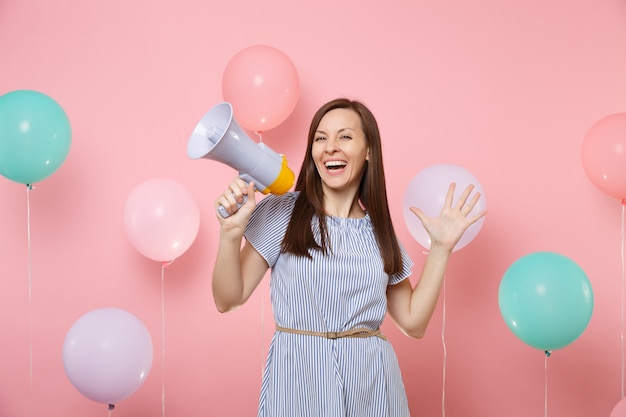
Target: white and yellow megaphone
218,137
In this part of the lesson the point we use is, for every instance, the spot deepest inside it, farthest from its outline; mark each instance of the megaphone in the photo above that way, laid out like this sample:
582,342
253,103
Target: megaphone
217,136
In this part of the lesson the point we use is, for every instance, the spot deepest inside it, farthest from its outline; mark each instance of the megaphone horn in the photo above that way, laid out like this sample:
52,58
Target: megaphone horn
217,136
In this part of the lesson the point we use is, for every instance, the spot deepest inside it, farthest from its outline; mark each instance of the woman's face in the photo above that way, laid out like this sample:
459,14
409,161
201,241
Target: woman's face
340,150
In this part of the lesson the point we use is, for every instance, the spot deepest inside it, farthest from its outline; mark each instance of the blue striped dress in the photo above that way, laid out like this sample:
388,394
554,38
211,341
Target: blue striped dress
311,376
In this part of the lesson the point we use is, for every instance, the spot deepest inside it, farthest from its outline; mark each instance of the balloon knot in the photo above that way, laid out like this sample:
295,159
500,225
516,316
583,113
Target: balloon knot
29,186
111,406
548,353
623,201
167,263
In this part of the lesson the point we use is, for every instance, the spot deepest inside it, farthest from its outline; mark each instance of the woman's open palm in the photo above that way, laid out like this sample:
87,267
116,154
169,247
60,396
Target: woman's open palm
453,220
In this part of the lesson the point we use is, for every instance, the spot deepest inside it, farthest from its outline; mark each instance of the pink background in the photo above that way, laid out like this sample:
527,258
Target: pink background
505,89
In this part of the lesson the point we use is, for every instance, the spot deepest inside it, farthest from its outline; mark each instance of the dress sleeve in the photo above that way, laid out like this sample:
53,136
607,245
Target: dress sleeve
407,265
267,225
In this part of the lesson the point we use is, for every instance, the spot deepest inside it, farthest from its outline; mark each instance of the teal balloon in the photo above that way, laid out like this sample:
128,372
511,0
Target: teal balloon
546,299
35,136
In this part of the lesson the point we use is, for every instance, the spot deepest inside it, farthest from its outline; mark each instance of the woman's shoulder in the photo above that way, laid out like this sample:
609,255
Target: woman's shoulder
270,219
275,205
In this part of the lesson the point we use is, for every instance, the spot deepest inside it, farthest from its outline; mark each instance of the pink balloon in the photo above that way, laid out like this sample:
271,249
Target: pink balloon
604,155
262,84
428,190
107,355
161,219
620,409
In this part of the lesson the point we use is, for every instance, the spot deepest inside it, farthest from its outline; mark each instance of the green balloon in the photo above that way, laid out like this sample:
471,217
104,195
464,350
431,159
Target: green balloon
546,299
35,136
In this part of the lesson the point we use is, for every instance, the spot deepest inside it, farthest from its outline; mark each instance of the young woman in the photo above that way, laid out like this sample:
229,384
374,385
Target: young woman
336,270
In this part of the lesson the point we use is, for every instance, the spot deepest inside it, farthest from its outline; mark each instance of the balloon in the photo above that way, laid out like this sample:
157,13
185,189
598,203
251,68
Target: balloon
604,155
161,219
620,409
107,355
262,84
428,190
546,300
35,136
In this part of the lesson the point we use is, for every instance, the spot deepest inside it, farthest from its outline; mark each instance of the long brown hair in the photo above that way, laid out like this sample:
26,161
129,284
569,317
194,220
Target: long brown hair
372,194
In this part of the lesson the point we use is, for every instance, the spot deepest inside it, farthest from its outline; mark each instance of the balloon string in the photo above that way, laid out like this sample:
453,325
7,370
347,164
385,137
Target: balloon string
260,135
443,342
622,304
30,294
165,265
545,393
262,332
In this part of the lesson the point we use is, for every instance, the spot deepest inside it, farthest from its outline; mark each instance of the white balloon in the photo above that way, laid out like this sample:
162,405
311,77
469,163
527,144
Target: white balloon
427,191
107,355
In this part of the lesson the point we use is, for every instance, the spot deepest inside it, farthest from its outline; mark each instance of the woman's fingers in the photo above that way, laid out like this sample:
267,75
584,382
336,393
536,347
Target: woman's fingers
463,198
233,195
464,204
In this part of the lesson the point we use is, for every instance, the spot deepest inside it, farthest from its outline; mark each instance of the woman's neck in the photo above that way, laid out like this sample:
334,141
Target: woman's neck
338,205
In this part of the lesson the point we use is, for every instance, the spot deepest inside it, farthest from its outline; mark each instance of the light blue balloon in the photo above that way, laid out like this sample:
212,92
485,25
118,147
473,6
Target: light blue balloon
35,136
546,299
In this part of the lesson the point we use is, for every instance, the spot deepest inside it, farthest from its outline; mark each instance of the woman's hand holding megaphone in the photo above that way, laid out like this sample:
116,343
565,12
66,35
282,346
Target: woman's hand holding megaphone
237,199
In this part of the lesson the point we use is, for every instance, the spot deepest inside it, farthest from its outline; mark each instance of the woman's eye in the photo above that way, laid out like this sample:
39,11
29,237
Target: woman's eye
318,138
346,137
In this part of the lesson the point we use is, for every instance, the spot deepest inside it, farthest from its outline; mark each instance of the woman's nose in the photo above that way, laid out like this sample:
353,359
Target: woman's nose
331,145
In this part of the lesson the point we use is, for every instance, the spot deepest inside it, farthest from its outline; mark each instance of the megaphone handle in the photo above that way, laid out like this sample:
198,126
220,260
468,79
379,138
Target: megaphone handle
248,179
225,214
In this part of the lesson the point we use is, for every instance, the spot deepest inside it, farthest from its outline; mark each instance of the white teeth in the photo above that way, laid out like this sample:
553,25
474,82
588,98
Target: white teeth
331,164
